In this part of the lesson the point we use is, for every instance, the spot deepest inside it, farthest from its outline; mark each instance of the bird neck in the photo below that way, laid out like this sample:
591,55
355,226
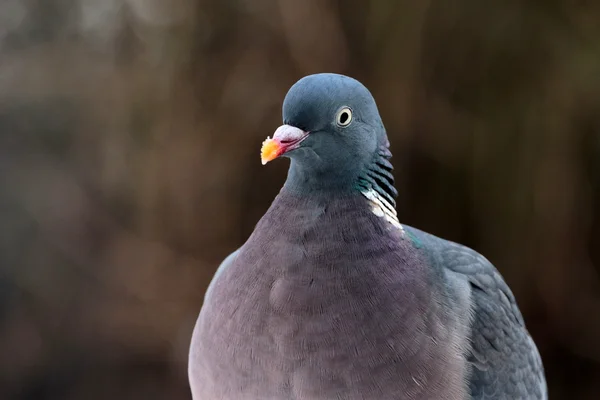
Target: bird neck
374,181
377,177
307,180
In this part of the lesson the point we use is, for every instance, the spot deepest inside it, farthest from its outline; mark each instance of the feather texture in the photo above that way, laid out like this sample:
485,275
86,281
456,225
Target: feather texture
332,298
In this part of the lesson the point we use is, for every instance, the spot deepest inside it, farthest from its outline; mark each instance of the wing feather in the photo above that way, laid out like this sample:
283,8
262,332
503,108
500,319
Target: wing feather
504,360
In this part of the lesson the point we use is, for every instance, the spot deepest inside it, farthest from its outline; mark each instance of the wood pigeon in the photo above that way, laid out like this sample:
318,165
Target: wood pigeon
332,298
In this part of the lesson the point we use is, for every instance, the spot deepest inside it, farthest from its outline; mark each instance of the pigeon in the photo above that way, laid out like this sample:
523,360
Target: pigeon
331,297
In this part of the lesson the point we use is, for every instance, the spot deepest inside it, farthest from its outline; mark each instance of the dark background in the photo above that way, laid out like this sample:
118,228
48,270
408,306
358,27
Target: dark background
129,165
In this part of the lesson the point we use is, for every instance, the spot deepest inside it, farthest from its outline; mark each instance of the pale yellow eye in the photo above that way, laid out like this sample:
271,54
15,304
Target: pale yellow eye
344,117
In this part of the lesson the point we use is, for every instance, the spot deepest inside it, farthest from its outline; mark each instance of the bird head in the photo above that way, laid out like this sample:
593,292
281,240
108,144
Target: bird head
334,136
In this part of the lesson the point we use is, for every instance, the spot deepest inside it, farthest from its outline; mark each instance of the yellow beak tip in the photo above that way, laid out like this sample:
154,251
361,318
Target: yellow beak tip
270,150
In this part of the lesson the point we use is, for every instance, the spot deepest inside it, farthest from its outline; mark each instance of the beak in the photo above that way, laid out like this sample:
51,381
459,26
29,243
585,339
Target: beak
286,138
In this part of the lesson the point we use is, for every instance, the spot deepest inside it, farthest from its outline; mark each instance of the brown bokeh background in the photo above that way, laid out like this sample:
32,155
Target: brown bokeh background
129,167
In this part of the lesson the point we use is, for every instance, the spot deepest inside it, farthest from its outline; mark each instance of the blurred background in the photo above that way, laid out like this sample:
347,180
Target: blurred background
129,165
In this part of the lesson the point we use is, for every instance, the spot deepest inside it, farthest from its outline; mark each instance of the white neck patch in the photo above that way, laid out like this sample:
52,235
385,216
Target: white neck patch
382,208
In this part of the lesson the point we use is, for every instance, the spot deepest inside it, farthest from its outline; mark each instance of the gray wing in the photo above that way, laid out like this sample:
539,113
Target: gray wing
194,356
504,361
223,265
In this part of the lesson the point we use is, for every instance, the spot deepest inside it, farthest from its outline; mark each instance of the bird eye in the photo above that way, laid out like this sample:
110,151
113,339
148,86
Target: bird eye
344,117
